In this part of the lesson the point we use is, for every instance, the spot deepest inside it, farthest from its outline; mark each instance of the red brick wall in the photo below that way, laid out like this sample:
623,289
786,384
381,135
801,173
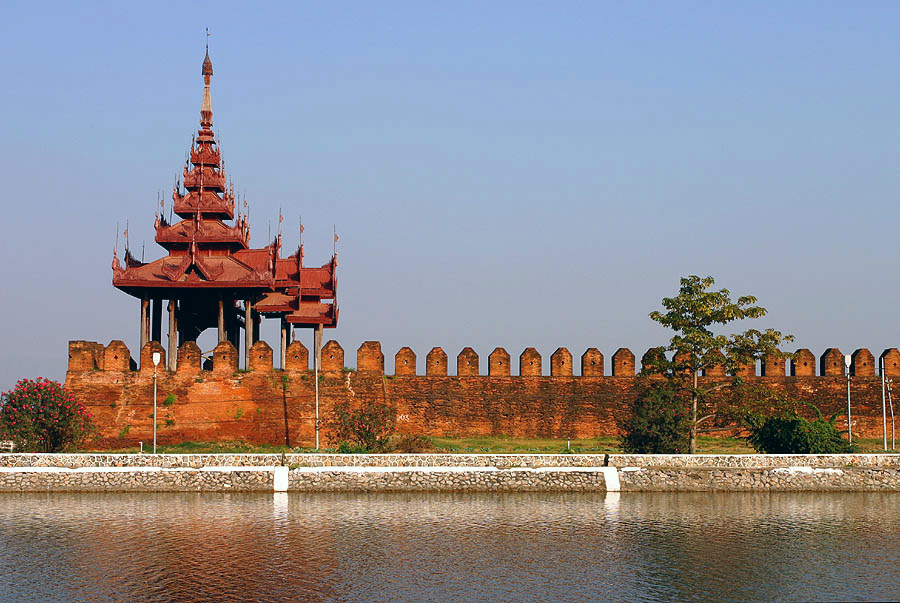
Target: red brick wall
225,404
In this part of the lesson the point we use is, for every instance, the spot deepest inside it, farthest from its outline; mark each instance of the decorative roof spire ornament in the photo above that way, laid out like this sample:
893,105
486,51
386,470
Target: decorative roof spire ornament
206,105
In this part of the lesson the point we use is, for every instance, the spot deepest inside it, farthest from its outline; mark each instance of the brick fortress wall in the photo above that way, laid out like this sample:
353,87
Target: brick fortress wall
264,405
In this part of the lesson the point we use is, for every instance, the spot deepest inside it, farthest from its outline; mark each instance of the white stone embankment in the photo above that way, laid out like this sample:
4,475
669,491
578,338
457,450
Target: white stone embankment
446,472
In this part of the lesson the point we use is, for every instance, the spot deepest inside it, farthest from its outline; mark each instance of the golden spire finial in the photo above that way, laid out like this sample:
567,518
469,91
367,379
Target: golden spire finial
206,105
207,64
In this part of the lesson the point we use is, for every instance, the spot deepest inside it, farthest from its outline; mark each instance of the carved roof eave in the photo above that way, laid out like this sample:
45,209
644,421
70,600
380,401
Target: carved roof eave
168,274
314,313
213,182
210,204
175,241
203,155
184,232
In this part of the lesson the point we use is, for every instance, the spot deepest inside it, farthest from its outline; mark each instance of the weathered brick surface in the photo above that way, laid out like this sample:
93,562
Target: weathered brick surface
467,363
772,366
863,363
296,357
832,363
85,355
804,365
147,356
746,369
592,363
250,406
116,356
890,360
405,362
188,359
623,363
498,363
530,363
369,358
561,363
436,362
225,359
261,357
332,357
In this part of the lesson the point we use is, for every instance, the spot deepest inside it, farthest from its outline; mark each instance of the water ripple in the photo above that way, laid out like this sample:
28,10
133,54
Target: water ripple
439,547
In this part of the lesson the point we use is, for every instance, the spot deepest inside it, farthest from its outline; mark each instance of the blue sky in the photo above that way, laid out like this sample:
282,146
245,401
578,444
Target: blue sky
500,174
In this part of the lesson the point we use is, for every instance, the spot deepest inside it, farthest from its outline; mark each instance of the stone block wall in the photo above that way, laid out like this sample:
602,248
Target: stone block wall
446,473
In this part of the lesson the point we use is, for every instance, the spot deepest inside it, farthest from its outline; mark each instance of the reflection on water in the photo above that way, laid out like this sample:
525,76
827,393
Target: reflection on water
421,547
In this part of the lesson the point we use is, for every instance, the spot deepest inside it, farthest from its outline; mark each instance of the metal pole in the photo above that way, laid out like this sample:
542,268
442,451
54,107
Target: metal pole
883,409
154,410
891,403
316,364
849,425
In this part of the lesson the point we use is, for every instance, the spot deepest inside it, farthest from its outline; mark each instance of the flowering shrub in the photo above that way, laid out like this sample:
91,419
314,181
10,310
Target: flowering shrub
43,416
364,429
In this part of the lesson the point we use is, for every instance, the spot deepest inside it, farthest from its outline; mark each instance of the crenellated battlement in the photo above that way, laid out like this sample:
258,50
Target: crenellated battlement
207,397
93,356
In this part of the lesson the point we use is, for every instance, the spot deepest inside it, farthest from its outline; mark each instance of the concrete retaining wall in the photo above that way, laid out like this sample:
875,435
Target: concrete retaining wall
446,472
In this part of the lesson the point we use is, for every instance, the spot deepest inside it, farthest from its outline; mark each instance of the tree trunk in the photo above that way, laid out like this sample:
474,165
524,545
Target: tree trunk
693,445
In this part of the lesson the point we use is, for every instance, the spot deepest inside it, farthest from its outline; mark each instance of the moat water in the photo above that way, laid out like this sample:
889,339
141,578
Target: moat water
439,547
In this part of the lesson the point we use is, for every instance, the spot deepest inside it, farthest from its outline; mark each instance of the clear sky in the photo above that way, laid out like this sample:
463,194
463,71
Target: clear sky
500,173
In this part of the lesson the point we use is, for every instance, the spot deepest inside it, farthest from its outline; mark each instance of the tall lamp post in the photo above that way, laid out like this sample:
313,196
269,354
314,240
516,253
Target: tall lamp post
890,383
884,408
847,361
156,359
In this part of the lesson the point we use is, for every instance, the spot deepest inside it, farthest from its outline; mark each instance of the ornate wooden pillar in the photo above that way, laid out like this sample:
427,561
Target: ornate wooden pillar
248,332
221,320
145,321
172,352
317,344
232,326
284,340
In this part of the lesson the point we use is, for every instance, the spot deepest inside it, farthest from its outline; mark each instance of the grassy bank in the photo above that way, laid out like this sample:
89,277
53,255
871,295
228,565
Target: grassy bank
495,444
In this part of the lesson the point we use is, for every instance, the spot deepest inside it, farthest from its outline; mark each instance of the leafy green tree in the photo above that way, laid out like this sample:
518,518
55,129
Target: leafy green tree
691,315
657,421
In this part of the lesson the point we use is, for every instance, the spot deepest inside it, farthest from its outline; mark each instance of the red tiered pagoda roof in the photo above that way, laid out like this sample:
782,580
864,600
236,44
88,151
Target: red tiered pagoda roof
209,258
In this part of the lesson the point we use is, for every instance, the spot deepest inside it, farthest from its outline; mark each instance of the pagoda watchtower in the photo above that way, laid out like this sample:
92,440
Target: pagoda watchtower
210,277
